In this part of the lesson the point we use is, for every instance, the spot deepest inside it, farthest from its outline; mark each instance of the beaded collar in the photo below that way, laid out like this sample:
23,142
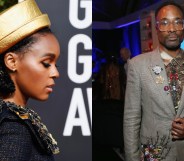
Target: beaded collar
25,113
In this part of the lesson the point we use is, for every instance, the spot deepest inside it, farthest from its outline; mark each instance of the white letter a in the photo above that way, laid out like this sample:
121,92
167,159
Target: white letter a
77,104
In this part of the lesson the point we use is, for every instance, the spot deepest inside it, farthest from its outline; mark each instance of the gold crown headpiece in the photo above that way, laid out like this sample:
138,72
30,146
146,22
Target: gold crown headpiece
20,21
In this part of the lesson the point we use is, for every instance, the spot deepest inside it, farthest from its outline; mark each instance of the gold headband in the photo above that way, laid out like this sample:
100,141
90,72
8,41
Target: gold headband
20,21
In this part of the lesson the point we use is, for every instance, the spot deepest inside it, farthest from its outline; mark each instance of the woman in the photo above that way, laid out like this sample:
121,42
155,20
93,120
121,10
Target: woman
28,55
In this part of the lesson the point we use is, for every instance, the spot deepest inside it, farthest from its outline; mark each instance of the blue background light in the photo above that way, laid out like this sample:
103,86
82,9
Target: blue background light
182,45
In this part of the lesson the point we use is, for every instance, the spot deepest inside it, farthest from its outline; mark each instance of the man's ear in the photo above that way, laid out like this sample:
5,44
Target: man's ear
10,60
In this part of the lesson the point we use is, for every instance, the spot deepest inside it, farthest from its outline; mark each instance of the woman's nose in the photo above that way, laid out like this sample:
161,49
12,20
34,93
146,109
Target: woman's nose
54,73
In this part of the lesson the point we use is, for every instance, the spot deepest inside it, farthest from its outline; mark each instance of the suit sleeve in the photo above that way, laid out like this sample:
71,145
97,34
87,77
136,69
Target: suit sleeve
15,141
132,114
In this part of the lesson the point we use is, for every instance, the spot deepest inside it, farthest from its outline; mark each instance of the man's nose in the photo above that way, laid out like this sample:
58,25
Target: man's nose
171,27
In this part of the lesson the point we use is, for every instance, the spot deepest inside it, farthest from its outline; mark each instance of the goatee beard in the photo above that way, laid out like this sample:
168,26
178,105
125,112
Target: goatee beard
173,48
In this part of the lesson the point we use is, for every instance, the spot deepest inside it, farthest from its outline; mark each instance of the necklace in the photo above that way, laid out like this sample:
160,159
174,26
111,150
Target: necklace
25,113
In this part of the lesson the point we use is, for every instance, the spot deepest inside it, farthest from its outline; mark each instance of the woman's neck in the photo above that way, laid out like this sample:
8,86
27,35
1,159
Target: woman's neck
17,100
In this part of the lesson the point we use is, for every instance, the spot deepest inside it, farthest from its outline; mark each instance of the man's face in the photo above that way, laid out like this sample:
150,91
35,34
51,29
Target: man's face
172,38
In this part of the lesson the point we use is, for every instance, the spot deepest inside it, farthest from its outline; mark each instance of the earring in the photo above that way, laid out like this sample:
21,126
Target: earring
13,70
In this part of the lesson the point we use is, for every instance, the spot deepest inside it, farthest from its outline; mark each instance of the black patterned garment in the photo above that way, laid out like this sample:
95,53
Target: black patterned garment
22,135
175,73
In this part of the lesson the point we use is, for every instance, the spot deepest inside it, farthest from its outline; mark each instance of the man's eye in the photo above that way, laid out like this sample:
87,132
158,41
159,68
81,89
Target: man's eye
178,22
164,23
46,65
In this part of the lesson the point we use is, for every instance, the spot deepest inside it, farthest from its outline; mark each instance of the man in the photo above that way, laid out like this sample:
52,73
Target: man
125,55
154,105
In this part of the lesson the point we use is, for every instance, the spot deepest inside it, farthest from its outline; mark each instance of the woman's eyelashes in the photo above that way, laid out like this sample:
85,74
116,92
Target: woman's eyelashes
56,66
46,65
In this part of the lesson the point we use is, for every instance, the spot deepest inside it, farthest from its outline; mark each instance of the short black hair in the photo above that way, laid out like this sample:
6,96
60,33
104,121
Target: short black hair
25,44
7,86
167,3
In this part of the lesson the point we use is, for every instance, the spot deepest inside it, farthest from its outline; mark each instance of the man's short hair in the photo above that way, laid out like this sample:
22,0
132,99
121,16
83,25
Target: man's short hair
167,4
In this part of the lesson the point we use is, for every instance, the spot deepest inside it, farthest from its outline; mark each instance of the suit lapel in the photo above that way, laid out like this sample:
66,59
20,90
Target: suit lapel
181,105
161,80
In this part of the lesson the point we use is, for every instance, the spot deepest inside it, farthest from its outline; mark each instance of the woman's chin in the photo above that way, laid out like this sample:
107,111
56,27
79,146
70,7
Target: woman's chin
41,98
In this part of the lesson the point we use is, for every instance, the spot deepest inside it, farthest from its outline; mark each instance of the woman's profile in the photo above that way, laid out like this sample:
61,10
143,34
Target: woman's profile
28,56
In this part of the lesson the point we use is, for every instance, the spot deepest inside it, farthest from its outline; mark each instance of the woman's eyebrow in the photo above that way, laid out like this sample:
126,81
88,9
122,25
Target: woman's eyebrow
49,54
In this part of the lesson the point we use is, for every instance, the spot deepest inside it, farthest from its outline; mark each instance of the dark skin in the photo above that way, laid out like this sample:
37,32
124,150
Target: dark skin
169,42
34,73
178,128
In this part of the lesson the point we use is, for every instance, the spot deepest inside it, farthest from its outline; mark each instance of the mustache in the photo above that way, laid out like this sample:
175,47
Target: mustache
172,35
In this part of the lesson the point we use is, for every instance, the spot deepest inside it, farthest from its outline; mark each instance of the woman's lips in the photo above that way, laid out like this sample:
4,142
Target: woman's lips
50,88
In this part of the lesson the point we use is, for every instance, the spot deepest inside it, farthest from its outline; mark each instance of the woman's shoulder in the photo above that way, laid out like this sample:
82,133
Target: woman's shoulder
20,134
15,138
18,142
32,121
6,114
12,126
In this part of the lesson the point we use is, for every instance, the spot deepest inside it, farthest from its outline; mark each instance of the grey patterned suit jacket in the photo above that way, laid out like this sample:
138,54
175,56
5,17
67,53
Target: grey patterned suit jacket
149,108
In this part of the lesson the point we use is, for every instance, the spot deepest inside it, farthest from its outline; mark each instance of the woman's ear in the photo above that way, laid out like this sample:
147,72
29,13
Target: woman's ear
10,60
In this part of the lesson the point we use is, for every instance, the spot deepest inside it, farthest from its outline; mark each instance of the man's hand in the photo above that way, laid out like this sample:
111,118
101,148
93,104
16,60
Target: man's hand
177,130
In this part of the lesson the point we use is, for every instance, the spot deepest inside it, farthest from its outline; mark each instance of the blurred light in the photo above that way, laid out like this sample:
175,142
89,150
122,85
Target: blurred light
182,45
127,24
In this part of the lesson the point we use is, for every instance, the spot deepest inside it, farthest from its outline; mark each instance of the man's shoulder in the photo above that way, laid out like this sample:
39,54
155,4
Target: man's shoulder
144,57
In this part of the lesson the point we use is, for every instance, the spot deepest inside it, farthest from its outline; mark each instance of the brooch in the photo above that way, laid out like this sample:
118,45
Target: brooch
157,69
159,79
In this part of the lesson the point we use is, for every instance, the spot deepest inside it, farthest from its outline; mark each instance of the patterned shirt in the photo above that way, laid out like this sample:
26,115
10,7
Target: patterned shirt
175,73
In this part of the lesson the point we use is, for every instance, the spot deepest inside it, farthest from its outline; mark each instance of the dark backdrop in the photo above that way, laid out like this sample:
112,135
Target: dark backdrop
67,113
